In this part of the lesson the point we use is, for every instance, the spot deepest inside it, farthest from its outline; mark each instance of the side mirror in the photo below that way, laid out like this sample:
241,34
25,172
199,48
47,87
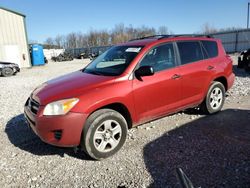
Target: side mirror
144,71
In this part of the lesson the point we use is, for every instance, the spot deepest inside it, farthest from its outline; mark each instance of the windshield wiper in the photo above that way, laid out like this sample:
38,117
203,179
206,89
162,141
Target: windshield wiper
93,72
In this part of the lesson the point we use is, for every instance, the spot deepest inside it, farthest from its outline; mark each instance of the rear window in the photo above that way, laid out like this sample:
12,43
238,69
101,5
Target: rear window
211,48
190,51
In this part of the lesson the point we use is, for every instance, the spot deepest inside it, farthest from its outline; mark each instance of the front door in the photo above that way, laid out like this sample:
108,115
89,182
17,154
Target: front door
158,94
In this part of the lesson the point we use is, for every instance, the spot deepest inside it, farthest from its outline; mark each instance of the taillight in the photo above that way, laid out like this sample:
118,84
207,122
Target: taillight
229,62
228,57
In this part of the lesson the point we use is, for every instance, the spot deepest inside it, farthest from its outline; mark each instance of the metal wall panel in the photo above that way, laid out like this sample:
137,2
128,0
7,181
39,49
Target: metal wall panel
244,36
234,41
12,33
243,40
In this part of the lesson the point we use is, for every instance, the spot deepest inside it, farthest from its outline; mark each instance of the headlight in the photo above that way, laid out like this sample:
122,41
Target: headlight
60,107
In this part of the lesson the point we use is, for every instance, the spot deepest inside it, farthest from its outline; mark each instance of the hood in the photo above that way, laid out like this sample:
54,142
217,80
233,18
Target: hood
68,86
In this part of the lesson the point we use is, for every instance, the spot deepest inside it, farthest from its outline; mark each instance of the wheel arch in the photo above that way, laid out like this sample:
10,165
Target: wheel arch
117,106
122,109
85,145
222,80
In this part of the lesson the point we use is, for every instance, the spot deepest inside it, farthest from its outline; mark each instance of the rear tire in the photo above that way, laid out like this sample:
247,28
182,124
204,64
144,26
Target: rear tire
7,71
214,99
104,133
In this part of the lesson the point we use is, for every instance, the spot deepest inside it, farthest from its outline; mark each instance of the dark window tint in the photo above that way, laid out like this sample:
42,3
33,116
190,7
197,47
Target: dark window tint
189,51
204,51
211,48
160,58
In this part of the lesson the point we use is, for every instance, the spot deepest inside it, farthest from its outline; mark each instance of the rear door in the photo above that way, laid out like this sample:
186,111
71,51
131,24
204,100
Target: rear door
195,70
158,94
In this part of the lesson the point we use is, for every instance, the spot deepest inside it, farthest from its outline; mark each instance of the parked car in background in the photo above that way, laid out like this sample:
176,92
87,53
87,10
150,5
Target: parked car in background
83,55
93,55
244,60
8,69
63,57
45,60
130,84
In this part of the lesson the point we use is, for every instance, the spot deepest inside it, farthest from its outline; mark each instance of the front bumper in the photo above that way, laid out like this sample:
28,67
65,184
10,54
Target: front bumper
17,69
63,130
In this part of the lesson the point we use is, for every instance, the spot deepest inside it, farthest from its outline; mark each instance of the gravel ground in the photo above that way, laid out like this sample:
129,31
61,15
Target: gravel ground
214,151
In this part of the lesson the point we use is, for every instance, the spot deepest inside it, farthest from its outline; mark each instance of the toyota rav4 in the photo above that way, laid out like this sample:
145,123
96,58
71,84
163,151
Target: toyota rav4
129,84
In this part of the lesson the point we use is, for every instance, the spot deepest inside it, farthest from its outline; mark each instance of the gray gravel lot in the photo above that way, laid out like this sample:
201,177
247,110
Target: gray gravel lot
214,151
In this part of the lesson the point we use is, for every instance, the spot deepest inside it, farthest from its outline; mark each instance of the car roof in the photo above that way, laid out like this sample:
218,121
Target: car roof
164,38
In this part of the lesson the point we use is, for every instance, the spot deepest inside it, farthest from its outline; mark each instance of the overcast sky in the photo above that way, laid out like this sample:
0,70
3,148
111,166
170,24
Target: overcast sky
47,18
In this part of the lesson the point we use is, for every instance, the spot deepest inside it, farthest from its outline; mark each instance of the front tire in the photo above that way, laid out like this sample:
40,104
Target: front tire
214,99
7,71
104,133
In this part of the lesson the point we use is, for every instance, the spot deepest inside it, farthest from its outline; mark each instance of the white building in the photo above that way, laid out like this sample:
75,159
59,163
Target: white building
13,38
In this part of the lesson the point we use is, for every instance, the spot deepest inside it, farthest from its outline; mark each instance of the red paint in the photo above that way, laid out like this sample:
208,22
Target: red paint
153,97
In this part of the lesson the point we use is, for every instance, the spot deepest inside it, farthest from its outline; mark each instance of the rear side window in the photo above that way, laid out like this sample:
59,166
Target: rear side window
190,51
211,48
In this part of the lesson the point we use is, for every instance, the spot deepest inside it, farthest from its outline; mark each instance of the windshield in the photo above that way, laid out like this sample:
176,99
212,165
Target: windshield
114,61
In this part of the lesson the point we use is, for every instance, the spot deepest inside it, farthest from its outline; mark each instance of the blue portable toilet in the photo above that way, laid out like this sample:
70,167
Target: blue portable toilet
37,55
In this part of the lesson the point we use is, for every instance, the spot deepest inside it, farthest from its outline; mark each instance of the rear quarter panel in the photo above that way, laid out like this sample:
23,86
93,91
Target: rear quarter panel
223,66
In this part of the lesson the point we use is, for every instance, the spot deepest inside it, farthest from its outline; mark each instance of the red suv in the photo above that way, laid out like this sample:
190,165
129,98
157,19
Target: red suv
128,85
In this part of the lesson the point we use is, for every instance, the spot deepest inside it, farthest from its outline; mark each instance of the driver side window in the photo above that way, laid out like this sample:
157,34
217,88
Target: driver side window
160,58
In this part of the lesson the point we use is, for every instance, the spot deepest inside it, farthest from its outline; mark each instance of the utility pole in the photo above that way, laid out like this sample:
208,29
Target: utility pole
248,15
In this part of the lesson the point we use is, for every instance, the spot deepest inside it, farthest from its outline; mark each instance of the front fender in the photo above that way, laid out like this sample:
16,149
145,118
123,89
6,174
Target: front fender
120,92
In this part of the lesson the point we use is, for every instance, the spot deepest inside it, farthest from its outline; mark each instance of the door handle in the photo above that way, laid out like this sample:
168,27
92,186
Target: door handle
210,67
176,76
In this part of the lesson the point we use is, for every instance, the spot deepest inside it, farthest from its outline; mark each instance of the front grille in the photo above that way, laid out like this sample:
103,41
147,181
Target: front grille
58,134
30,120
32,105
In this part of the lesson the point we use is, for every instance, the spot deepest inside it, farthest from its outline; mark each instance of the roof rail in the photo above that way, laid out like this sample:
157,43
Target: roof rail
151,37
189,35
159,37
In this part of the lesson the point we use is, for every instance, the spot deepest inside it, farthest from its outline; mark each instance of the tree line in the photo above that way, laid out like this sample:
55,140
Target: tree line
207,29
119,34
